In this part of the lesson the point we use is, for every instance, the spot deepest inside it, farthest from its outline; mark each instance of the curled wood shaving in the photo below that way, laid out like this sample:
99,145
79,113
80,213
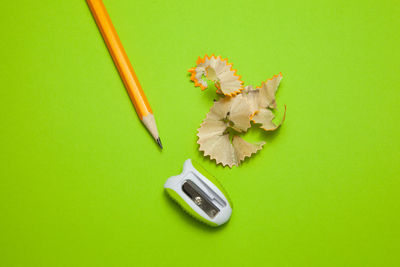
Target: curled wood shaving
218,135
219,71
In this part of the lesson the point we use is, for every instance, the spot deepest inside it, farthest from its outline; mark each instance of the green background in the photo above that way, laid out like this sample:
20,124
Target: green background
81,181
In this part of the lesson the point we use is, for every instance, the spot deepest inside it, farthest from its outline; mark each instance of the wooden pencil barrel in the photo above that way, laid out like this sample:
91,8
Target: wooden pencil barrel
120,58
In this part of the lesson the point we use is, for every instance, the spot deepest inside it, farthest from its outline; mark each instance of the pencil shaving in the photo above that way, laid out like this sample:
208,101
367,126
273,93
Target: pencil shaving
253,98
265,117
220,72
233,113
214,136
268,90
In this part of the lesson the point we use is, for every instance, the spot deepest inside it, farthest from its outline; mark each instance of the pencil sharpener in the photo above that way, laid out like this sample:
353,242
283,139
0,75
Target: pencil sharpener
200,194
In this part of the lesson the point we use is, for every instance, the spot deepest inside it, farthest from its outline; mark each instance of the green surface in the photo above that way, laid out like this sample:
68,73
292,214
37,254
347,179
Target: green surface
81,181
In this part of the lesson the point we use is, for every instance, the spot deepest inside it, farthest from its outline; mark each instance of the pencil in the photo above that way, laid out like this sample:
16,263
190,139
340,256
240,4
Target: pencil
124,67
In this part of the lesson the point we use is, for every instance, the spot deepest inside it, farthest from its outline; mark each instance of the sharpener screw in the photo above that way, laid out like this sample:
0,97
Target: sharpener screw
198,200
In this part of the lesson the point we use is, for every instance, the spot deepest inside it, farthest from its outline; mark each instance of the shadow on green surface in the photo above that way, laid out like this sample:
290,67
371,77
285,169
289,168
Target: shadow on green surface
209,94
269,136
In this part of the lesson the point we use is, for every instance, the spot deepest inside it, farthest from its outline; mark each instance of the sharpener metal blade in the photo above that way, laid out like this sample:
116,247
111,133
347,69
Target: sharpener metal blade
200,198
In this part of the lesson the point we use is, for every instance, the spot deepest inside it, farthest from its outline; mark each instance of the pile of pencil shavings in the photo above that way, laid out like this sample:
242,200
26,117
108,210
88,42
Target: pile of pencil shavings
233,113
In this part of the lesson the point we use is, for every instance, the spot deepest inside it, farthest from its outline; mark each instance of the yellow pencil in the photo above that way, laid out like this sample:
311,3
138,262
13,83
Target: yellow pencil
124,67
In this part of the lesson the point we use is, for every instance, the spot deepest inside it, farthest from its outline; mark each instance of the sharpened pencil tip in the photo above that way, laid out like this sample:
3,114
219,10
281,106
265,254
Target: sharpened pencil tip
159,142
